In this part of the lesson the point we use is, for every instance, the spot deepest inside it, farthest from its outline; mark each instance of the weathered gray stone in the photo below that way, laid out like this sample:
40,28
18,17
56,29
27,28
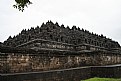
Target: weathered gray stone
52,47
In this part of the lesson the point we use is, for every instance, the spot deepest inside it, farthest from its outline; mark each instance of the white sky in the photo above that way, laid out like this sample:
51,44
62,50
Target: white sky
98,16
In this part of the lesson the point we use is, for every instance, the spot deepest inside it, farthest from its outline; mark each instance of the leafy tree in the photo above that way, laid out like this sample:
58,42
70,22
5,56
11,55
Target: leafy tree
21,4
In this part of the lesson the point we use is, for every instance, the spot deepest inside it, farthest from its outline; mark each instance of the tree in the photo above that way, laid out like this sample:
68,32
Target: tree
21,4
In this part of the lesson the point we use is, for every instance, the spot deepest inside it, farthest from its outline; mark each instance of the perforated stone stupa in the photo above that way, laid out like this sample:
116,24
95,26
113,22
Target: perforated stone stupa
52,36
51,47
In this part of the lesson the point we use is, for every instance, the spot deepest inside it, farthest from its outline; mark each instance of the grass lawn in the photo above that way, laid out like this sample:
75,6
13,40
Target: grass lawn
102,79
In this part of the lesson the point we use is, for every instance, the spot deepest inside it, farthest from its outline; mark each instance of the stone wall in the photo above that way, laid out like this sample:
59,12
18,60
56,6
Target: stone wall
23,62
73,74
46,44
109,71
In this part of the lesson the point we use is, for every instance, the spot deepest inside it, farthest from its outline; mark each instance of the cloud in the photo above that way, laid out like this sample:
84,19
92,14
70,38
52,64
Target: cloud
98,16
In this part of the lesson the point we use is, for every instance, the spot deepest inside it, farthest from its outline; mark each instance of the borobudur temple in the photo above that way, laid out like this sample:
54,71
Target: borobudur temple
54,47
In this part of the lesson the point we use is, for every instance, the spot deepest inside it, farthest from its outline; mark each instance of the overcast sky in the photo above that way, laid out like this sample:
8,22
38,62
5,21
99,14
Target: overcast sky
98,16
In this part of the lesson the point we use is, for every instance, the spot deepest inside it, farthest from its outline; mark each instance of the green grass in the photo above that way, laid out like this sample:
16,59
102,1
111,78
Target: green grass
102,79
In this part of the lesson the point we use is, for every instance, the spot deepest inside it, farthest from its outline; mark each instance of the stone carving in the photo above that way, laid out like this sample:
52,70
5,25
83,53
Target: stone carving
56,47
54,32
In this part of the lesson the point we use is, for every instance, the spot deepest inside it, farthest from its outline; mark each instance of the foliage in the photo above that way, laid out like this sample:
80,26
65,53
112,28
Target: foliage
102,79
21,4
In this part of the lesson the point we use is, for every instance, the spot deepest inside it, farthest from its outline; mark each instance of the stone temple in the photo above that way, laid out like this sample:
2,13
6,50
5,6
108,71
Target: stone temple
52,47
54,37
